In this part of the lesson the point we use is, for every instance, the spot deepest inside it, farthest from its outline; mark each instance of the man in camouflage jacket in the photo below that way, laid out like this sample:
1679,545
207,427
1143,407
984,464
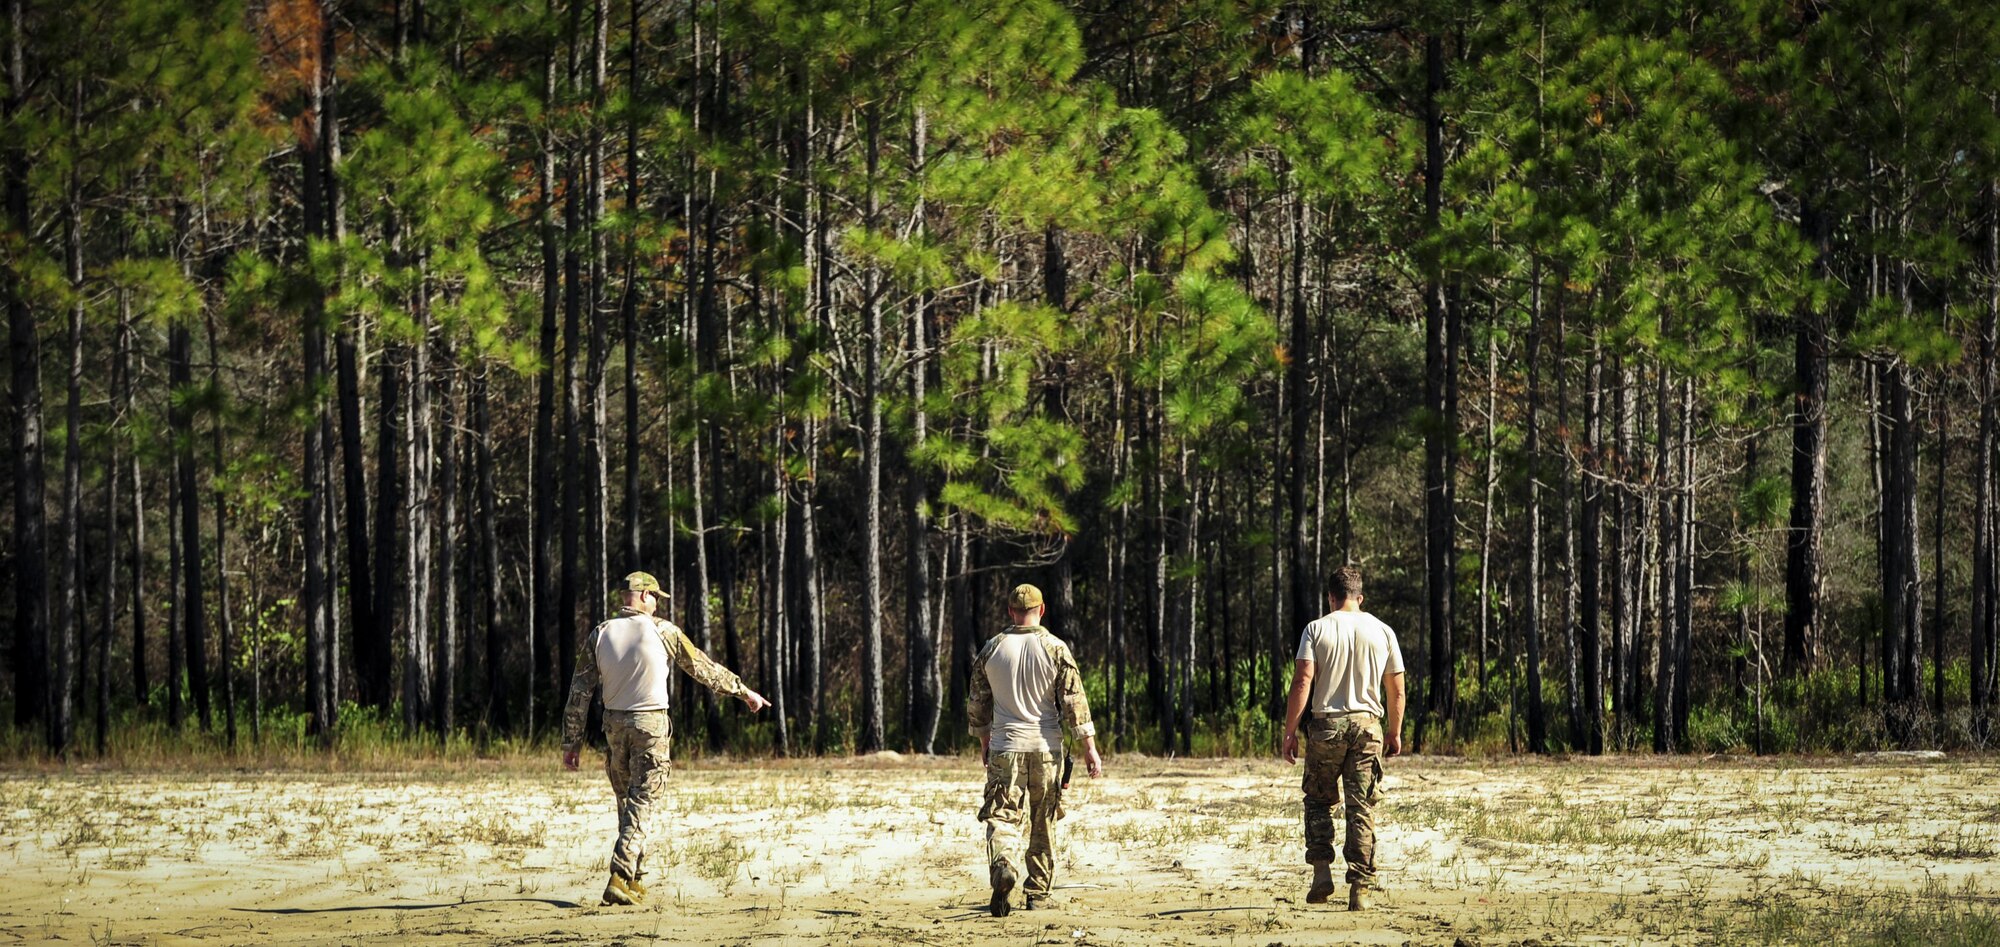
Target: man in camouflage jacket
1025,688
629,656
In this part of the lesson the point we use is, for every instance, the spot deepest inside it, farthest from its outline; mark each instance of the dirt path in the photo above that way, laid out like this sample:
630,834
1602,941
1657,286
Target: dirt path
1182,852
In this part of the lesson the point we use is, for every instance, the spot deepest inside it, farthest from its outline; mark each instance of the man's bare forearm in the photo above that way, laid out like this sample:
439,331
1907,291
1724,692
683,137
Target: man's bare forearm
1295,705
1392,698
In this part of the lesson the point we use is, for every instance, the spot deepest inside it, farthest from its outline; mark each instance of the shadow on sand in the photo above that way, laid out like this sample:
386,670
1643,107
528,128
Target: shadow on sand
552,902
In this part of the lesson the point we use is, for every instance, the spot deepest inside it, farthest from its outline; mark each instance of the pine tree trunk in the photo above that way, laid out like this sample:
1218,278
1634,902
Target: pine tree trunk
372,646
375,655
628,309
449,488
419,665
871,735
69,625
1684,570
1590,629
194,625
1808,468
30,539
1531,612
1441,688
1578,738
1304,574
1982,517
922,720
123,395
542,618
225,621
597,557
319,696
1668,521
486,552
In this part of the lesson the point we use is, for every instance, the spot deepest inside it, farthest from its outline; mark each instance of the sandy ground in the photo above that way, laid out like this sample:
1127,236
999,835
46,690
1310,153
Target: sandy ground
887,851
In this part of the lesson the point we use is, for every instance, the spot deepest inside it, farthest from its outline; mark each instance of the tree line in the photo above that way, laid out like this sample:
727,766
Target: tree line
355,348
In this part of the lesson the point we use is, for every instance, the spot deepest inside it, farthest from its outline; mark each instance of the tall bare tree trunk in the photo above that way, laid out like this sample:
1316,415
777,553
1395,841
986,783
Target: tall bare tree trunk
69,626
1441,690
30,540
1531,610
1802,545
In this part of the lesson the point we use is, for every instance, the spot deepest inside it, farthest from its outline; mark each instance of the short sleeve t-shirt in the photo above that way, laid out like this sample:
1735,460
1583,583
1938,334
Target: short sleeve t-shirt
1350,652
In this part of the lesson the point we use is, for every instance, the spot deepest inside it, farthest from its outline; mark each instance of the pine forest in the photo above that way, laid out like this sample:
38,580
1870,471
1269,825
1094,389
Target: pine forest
1642,355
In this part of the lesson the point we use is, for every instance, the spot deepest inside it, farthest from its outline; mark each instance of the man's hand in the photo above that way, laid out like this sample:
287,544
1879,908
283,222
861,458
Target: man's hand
571,758
1092,763
754,700
1290,751
985,749
1392,744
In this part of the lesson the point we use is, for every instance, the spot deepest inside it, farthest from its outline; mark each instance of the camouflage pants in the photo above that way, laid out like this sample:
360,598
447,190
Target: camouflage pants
637,763
1343,757
1024,787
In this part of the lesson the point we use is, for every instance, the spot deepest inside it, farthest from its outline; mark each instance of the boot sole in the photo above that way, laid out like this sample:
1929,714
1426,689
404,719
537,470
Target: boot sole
1002,887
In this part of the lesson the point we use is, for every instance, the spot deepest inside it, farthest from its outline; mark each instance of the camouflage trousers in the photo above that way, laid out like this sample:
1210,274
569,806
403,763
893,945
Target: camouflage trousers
637,763
1024,787
1343,758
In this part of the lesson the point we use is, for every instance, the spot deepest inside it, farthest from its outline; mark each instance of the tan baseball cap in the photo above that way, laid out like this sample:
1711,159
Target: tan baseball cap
1024,597
644,582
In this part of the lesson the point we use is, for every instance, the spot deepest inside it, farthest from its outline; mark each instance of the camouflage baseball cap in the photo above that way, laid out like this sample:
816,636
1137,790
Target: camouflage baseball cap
643,582
1024,597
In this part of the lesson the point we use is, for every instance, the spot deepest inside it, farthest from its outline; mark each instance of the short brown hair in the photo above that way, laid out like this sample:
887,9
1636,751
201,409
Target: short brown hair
1346,583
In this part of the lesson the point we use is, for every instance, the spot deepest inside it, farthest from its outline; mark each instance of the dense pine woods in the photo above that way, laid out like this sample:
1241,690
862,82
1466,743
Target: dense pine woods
1643,354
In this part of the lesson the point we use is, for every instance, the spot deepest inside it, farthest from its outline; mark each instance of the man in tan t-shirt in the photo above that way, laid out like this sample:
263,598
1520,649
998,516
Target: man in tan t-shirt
1025,687
1349,676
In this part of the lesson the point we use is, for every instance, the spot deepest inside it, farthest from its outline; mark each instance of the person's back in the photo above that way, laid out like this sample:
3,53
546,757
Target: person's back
632,663
1347,696
1350,651
1022,672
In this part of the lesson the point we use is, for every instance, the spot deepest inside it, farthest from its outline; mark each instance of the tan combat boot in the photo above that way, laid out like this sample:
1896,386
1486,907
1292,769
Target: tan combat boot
1322,886
619,891
1357,897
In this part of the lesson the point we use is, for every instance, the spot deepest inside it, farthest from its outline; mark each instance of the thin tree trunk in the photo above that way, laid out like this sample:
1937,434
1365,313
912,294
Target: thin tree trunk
1440,689
445,693
1590,630
924,710
871,735
1531,615
69,627
30,540
487,552
1808,469
629,306
1668,520
122,392
420,449
225,621
542,618
1982,517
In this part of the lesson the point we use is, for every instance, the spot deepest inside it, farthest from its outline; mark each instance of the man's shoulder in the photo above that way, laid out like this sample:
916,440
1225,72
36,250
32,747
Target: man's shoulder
1054,645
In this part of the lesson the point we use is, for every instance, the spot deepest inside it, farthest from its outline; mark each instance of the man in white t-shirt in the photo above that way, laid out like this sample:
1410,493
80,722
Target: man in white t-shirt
632,656
1347,679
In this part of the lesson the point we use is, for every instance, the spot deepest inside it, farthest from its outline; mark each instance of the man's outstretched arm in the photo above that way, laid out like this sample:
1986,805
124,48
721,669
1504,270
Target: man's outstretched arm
698,665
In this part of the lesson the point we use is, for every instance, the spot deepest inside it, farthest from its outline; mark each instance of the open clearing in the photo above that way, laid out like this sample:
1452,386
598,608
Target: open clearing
888,851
